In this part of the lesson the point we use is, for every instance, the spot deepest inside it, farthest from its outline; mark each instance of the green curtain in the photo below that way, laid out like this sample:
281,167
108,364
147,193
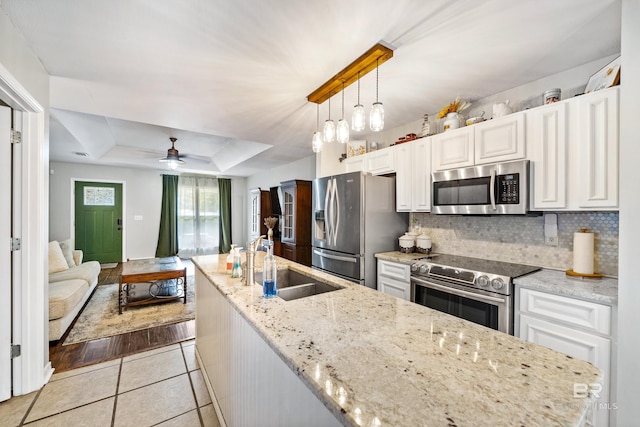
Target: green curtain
224,190
168,235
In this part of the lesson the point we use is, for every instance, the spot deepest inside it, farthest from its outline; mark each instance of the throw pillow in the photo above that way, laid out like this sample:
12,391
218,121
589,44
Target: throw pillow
56,258
67,251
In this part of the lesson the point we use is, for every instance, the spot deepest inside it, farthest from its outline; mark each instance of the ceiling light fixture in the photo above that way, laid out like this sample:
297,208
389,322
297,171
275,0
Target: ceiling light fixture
358,119
329,132
173,157
376,117
343,126
316,141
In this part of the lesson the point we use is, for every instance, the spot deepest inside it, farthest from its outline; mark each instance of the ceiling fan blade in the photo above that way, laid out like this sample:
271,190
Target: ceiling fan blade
196,158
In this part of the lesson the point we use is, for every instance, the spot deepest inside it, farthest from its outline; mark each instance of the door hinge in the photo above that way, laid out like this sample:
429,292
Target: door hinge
16,244
15,350
16,136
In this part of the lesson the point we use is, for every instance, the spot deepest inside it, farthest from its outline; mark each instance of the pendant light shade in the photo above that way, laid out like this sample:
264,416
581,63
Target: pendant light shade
343,126
359,117
329,130
376,117
316,141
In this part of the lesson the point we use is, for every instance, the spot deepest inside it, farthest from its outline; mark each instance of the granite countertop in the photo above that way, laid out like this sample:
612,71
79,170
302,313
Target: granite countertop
603,290
376,360
402,258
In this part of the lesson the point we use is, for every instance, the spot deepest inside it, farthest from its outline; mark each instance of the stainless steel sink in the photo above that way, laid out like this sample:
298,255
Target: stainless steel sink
293,285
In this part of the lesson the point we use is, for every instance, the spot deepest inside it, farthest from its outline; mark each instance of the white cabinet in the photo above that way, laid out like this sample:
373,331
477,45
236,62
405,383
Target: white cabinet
255,211
452,149
548,155
394,279
581,329
496,140
413,176
355,164
380,162
500,140
597,144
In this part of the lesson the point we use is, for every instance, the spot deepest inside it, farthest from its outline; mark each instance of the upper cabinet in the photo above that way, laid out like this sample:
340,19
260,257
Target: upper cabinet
378,162
573,147
413,176
259,207
493,141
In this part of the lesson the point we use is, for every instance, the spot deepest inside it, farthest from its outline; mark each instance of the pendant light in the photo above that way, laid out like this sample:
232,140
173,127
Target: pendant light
343,126
376,118
359,118
329,131
316,141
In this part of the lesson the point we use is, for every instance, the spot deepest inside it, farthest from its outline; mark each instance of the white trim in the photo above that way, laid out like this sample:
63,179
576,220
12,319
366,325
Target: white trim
31,369
72,209
5,252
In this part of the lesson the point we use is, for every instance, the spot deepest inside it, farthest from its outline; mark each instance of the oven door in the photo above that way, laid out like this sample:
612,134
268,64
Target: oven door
494,311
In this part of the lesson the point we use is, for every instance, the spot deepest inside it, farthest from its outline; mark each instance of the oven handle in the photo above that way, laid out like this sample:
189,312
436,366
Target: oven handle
458,292
492,189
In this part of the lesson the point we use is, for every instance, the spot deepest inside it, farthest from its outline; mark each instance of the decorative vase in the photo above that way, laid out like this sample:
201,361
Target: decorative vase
270,234
451,121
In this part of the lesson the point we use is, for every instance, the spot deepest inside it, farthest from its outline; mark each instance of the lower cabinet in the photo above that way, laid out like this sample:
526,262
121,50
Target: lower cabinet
578,328
297,253
394,279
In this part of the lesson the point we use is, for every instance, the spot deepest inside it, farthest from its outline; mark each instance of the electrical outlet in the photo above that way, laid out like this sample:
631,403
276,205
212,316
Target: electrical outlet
551,240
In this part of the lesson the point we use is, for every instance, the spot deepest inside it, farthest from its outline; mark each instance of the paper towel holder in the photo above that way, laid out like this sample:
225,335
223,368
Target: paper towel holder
583,275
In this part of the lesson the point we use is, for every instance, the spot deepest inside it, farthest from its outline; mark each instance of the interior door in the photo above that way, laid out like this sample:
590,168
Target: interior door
5,253
98,220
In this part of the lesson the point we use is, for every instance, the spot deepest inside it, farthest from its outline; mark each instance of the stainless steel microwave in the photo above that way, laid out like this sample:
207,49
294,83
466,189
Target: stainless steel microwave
494,189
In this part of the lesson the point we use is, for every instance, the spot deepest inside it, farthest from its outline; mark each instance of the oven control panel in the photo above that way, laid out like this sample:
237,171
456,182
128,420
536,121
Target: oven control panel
508,189
427,270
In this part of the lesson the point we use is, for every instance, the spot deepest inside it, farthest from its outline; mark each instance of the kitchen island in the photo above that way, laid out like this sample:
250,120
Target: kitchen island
357,357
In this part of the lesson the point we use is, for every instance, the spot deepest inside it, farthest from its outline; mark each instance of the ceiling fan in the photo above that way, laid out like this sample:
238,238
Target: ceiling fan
173,157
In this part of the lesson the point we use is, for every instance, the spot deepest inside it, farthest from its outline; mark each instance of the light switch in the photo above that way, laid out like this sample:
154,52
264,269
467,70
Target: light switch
137,218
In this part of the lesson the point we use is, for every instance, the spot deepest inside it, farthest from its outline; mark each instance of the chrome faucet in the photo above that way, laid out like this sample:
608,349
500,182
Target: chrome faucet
252,248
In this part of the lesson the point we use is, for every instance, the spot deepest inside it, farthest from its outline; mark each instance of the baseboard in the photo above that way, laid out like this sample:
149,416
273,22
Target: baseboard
214,399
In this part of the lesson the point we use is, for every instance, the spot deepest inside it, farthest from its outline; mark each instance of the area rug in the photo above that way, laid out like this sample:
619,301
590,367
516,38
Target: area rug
100,317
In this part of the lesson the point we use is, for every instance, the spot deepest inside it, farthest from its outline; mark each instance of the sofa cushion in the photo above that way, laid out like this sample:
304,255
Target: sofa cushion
56,258
67,250
88,271
64,296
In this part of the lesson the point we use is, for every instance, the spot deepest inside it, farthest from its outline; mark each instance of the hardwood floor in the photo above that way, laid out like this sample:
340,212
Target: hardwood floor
65,357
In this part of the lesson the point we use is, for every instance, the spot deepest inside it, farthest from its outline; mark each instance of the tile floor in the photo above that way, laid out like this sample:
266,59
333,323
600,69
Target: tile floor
162,387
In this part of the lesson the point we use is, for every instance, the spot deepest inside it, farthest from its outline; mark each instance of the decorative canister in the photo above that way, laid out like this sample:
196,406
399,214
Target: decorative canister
423,244
451,121
407,243
551,95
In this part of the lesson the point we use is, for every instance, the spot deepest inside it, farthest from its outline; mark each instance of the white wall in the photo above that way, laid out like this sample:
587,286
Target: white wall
300,169
26,80
628,366
143,198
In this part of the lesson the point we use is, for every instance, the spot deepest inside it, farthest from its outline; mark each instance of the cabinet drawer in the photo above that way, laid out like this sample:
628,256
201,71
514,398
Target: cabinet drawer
396,288
394,270
585,314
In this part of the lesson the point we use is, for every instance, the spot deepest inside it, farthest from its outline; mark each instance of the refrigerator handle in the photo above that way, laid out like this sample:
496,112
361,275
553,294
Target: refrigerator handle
334,257
327,207
337,212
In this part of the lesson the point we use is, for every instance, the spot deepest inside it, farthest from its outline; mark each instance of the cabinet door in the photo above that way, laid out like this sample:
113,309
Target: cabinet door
597,146
355,164
404,180
288,214
288,251
500,140
380,162
394,288
254,213
577,344
453,149
421,175
548,148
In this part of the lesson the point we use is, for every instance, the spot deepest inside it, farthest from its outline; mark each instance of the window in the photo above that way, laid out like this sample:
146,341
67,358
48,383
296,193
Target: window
198,216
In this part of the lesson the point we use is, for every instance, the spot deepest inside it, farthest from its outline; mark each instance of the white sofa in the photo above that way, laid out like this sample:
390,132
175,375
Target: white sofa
71,283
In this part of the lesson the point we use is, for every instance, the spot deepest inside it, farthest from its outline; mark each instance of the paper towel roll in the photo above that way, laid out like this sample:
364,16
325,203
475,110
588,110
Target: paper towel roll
583,252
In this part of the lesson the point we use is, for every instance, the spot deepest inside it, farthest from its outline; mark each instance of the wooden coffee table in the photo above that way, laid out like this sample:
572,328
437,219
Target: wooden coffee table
152,280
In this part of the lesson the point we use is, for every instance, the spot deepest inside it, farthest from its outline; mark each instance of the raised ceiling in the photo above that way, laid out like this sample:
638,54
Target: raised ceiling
229,79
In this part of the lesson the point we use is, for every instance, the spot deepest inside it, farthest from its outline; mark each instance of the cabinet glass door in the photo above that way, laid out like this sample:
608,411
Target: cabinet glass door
287,215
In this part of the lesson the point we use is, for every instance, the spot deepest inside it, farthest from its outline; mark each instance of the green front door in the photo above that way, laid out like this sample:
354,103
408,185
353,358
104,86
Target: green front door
98,218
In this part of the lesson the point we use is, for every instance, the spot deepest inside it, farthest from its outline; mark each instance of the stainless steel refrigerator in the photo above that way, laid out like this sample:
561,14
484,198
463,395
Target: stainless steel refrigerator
354,217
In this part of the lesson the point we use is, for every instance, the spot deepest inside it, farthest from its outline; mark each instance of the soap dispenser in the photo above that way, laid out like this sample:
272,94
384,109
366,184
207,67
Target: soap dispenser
269,274
230,259
236,272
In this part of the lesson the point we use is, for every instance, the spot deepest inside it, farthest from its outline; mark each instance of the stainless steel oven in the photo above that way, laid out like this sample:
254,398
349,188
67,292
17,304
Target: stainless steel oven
476,290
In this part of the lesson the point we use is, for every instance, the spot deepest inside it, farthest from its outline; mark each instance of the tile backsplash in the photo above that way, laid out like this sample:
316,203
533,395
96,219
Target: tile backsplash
520,239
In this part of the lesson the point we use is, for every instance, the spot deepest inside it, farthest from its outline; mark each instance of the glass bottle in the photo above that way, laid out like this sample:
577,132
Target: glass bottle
230,260
269,274
426,127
